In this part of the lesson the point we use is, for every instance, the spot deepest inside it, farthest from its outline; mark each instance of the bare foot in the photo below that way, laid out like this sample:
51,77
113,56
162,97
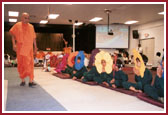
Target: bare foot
114,86
53,71
112,81
105,83
74,78
140,91
67,75
137,91
82,77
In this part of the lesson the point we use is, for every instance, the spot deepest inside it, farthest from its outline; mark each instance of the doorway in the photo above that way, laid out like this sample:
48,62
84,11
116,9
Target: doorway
148,46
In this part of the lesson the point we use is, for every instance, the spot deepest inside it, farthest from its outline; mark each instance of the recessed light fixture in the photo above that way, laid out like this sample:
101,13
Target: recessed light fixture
13,13
79,23
131,22
43,21
96,19
12,20
53,16
161,13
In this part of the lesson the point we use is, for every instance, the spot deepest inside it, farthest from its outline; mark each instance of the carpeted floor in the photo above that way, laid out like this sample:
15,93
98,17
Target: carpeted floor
55,94
26,98
5,93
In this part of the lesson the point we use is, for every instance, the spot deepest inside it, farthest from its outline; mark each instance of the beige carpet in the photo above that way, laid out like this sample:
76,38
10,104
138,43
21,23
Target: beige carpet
75,96
5,93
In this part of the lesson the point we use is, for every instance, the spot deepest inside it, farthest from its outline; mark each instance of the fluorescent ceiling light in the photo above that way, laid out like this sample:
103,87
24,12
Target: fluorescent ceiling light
161,13
131,22
96,19
12,20
53,16
43,21
13,13
79,23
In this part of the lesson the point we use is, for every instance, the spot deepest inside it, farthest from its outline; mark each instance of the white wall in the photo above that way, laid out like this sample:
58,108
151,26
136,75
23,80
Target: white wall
110,50
154,29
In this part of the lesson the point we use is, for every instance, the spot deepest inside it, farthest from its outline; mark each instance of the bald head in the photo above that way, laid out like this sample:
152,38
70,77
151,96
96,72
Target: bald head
25,18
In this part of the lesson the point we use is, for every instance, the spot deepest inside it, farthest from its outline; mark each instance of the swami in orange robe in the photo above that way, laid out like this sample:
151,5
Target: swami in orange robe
23,37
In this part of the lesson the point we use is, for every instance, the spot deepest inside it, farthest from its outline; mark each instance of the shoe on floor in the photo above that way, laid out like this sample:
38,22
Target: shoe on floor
161,99
22,84
32,84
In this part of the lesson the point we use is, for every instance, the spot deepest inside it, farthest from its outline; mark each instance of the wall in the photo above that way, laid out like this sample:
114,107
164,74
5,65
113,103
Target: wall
46,37
111,51
154,29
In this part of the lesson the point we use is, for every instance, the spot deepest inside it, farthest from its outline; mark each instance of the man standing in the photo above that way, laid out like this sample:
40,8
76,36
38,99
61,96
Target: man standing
23,38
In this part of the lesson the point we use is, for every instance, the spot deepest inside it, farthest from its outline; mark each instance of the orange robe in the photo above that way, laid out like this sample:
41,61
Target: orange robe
24,35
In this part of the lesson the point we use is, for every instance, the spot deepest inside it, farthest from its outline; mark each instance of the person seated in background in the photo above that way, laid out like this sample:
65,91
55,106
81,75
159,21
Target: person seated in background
62,62
112,57
157,90
36,61
125,58
118,76
163,53
140,49
157,61
46,62
142,75
86,61
59,64
116,52
145,59
132,59
14,61
121,58
48,68
7,62
40,57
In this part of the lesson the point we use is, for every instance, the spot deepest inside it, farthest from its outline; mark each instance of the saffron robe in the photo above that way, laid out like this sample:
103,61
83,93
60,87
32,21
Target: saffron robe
24,35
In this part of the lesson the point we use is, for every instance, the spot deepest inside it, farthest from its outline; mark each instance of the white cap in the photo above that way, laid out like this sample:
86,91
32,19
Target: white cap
60,56
116,52
47,56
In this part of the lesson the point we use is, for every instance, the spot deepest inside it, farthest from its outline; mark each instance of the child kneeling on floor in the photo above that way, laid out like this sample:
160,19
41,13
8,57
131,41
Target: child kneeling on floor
70,63
142,75
118,76
79,68
89,76
100,73
157,90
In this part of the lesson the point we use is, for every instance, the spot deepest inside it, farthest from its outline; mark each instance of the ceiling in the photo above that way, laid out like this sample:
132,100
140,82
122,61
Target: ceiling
121,13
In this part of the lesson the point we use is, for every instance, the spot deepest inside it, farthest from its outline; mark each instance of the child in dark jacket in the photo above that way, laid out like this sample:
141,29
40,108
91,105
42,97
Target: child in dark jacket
118,76
157,90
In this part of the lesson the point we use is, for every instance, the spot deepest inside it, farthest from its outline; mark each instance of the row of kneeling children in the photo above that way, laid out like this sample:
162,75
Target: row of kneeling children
109,72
